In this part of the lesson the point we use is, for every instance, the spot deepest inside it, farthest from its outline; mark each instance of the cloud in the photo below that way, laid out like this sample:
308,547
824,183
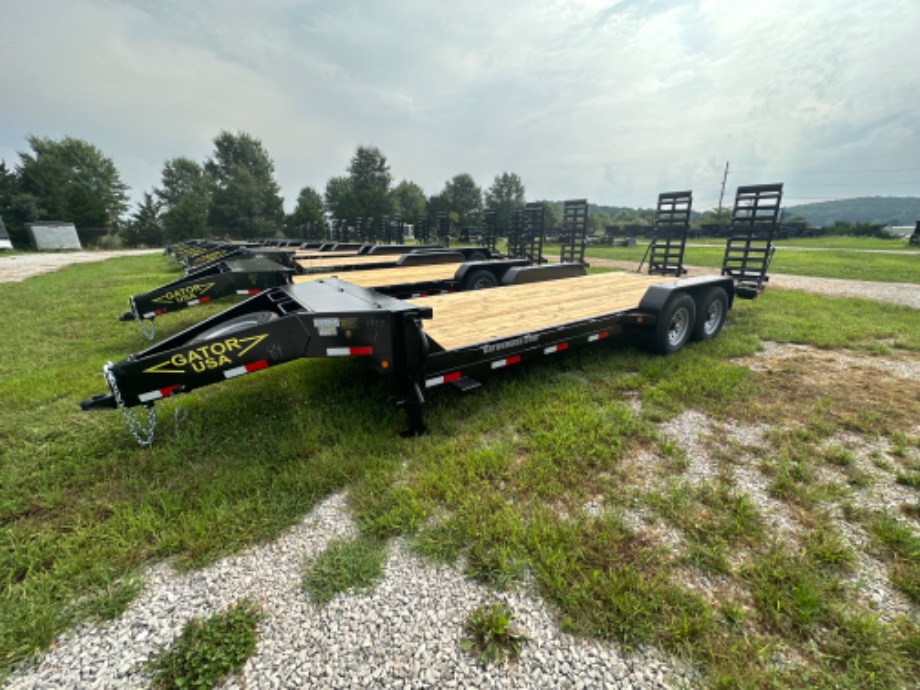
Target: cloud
614,101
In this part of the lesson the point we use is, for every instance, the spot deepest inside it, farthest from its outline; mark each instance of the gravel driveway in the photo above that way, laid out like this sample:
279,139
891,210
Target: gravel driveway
21,266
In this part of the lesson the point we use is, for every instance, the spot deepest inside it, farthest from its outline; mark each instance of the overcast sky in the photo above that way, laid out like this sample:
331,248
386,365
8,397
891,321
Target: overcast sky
613,101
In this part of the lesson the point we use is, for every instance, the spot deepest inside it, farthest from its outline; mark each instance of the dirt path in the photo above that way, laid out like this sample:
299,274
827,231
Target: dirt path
21,266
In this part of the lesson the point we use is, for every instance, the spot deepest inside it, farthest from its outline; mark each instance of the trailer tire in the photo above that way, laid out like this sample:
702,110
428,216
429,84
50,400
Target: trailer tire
675,325
477,256
711,313
480,280
256,318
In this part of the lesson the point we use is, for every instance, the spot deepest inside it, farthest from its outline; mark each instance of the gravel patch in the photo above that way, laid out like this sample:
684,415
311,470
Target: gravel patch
18,267
404,634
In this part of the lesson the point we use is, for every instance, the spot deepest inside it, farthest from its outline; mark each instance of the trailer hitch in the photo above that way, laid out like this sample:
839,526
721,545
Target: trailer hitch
140,426
104,401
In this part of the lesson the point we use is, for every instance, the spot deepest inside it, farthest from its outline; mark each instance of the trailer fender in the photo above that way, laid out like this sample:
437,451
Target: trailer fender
520,275
430,258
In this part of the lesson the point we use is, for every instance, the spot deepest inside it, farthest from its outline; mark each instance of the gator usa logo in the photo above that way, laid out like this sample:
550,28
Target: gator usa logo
183,294
208,356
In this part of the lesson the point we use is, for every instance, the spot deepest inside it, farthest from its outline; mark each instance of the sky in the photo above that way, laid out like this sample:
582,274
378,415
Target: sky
613,101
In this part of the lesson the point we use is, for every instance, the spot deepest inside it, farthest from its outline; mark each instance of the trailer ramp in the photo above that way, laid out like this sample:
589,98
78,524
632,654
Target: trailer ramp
665,252
749,247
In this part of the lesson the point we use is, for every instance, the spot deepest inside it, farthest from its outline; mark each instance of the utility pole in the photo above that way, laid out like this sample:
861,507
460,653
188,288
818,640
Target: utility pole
722,193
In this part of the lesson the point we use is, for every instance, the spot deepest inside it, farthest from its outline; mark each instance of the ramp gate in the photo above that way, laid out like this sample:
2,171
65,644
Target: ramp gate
750,243
669,235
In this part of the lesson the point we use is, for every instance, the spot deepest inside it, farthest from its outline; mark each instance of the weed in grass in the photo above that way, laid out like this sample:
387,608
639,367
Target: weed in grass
792,592
442,542
208,649
733,613
902,549
386,508
911,479
714,517
344,565
828,550
836,454
490,637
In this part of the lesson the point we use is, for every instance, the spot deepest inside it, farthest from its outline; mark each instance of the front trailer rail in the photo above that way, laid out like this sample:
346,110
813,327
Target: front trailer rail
333,318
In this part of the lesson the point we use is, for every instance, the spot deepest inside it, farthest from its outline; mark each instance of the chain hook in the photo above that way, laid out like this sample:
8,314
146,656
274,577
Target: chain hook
141,427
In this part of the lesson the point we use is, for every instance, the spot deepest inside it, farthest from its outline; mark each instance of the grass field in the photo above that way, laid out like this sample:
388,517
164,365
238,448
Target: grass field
564,472
833,257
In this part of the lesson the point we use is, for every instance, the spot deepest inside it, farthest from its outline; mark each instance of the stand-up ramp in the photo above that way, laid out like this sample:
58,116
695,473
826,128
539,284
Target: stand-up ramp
750,243
669,234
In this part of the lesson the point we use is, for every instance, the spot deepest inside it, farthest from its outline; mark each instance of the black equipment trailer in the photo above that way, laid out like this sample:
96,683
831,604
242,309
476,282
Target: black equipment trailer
249,273
419,343
249,270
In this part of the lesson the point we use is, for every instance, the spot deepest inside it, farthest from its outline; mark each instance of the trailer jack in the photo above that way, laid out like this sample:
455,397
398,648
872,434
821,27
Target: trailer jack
413,407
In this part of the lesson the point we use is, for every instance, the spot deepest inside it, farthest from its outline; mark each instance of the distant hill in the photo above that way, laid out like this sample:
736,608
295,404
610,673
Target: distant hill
888,210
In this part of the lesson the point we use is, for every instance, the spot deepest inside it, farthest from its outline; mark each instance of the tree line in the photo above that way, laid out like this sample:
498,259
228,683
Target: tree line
232,193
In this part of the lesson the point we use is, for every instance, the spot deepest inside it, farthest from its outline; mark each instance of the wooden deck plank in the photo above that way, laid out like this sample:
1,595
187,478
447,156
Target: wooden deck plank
388,276
467,318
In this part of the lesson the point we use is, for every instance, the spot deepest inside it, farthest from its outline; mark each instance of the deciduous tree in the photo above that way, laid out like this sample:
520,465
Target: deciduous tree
245,201
370,178
461,195
506,192
145,227
71,180
409,201
309,210
339,198
186,198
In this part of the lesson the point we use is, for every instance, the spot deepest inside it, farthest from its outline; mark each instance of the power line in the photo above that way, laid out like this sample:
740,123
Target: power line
838,172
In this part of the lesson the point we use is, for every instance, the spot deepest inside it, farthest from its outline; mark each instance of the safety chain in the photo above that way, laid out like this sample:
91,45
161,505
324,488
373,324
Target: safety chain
148,331
140,428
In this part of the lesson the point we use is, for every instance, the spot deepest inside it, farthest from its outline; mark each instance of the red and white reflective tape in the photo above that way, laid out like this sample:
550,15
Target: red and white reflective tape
200,300
559,347
349,351
438,380
248,292
420,294
246,369
598,336
498,364
160,393
155,312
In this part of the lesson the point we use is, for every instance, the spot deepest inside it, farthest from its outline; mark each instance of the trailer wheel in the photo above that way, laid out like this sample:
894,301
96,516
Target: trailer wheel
476,256
675,324
257,318
710,314
480,280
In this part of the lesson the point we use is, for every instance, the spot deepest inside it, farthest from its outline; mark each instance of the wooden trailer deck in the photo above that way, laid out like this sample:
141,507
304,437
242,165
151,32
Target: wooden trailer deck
463,319
397,275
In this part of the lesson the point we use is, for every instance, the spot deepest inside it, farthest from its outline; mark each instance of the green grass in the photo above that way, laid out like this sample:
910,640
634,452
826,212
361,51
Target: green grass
208,650
500,484
346,565
831,257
